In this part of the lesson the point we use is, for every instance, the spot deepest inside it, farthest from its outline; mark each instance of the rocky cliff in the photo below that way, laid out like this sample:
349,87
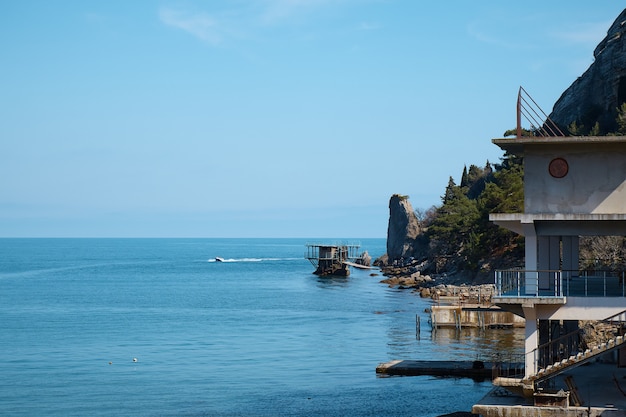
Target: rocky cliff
595,96
403,229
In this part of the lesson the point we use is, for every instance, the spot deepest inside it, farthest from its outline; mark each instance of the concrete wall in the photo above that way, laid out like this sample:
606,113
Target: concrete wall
452,316
594,184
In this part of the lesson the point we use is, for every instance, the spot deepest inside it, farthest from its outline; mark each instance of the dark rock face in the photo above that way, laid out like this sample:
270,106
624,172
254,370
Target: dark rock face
595,96
403,229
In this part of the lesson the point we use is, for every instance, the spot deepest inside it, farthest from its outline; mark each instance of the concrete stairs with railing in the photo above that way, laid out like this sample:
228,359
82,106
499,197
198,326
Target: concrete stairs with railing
574,360
526,384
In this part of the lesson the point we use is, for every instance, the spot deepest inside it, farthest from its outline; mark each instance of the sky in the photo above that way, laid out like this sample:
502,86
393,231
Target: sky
264,118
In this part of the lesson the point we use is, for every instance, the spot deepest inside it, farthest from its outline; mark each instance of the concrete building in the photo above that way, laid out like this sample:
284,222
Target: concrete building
573,187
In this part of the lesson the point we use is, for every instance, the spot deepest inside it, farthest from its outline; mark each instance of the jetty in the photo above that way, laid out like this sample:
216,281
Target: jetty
332,259
460,369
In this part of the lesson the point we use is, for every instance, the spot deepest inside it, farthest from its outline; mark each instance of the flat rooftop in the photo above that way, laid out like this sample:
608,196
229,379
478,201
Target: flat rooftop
515,145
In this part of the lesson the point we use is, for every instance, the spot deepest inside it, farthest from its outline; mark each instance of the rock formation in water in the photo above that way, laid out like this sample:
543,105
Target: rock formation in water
596,95
403,229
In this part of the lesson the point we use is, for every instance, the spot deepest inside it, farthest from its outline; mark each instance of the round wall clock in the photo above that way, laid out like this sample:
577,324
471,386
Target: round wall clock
558,167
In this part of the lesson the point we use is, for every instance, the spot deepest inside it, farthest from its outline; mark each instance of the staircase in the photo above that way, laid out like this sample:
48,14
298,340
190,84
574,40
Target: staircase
564,352
577,359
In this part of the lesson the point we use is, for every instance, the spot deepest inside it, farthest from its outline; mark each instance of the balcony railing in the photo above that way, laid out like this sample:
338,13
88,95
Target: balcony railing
559,283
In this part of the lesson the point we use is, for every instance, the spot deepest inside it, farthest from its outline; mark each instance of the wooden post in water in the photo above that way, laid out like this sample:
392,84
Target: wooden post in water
417,326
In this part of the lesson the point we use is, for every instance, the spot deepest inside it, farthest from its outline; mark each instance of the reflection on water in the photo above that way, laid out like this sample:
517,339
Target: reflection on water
480,344
332,282
410,336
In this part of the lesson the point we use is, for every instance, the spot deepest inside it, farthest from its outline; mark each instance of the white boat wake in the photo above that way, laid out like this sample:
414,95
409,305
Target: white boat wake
227,260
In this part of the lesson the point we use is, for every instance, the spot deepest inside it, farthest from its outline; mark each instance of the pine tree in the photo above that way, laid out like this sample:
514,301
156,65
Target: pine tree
464,178
451,231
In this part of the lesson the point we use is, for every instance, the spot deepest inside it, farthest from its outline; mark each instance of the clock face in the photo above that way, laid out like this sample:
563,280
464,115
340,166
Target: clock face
558,167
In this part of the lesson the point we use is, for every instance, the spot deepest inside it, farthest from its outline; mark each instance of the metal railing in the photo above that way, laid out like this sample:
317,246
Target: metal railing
559,283
573,343
509,366
540,124
558,349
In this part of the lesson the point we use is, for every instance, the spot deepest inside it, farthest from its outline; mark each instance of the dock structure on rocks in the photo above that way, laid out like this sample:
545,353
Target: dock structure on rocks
332,259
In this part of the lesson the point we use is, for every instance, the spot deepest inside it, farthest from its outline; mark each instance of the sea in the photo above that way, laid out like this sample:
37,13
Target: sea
158,327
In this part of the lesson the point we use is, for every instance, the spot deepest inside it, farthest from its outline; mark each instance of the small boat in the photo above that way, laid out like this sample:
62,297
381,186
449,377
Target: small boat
218,259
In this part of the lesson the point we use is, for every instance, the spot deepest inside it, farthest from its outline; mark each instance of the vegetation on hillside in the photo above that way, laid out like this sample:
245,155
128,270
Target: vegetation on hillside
459,234
587,125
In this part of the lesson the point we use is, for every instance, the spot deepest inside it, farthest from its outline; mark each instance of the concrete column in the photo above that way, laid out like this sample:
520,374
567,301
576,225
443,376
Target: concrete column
546,280
544,246
531,246
530,238
531,340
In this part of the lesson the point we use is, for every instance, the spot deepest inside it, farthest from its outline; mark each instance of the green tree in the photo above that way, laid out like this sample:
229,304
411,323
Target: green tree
451,231
464,177
476,179
459,233
505,194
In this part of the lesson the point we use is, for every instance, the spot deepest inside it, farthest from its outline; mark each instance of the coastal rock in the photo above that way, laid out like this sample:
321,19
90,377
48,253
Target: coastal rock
408,281
364,259
596,95
472,294
596,332
403,229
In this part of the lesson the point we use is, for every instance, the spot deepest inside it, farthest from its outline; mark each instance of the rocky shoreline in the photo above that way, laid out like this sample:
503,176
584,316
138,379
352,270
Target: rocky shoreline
436,287
407,263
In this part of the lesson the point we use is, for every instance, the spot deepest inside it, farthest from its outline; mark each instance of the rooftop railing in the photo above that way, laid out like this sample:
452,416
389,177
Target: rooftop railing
560,283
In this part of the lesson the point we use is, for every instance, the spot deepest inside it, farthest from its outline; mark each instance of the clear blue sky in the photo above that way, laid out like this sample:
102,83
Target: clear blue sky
264,118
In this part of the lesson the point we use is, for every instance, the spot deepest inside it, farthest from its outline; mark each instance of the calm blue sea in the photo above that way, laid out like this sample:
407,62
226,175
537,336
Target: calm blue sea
257,335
